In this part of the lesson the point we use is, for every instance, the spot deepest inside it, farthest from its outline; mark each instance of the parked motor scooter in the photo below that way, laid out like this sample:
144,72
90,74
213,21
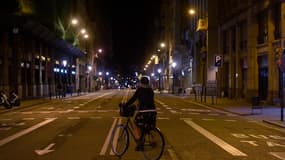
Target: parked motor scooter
4,100
14,99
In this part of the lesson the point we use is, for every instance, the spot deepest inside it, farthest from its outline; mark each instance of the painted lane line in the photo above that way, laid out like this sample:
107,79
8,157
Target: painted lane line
205,119
5,128
230,120
107,140
5,119
45,112
163,118
194,113
280,155
116,138
213,114
221,143
95,117
27,112
73,117
25,131
28,119
172,154
77,107
82,111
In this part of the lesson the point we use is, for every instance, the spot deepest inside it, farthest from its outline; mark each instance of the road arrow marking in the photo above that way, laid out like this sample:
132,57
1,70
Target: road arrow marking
46,150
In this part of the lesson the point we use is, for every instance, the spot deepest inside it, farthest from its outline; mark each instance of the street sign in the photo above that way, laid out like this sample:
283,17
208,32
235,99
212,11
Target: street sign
218,60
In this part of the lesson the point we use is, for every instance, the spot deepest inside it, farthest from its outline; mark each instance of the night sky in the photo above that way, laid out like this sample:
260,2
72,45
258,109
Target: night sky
132,28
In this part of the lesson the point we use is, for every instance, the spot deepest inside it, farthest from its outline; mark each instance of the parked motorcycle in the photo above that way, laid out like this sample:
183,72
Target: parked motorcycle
4,100
14,99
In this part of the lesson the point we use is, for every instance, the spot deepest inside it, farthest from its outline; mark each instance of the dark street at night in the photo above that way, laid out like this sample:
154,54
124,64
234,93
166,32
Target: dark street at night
142,80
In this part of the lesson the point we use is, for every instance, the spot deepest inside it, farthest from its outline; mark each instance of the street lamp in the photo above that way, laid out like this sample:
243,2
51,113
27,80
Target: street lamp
203,27
173,72
159,71
89,72
64,72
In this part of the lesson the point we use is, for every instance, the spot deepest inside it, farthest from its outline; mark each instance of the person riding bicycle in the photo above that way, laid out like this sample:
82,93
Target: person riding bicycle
146,111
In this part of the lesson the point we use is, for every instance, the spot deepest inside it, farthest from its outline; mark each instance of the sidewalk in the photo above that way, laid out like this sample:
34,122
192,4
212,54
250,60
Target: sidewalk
265,113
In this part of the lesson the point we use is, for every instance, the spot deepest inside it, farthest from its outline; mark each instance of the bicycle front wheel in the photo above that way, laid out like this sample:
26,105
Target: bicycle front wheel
153,144
120,140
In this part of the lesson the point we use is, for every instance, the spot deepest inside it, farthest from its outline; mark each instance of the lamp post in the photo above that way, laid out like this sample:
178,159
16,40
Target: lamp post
159,71
173,74
64,73
202,27
89,77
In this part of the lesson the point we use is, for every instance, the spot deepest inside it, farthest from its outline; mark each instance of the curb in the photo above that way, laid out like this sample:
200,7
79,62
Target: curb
273,123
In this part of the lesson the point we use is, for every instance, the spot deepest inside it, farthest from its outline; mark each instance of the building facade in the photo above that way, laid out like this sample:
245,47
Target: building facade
35,60
251,37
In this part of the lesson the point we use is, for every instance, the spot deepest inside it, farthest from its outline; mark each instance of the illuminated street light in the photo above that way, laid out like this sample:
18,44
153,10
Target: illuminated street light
86,36
83,31
191,11
173,64
74,21
162,45
100,50
89,68
64,63
107,73
100,73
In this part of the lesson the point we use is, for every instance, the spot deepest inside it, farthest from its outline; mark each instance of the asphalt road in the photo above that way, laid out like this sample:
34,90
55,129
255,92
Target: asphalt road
77,128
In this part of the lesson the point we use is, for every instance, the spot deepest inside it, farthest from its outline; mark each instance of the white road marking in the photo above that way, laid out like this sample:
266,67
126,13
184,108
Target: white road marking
76,107
194,113
5,119
28,119
172,154
95,117
5,128
27,112
107,140
224,145
82,111
45,112
25,131
73,117
230,120
205,119
163,118
213,114
46,150
280,155
116,137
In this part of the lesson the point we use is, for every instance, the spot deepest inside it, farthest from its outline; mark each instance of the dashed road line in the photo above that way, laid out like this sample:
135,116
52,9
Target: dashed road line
28,119
73,117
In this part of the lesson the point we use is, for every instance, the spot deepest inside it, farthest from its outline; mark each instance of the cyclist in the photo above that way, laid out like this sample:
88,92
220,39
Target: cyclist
146,112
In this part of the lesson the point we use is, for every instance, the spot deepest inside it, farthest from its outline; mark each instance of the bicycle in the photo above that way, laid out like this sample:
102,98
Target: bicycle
152,138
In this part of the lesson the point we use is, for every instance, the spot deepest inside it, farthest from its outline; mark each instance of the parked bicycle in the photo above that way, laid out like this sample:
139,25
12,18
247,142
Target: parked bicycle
152,139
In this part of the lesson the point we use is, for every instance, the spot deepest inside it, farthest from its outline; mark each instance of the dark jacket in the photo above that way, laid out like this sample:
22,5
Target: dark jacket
145,97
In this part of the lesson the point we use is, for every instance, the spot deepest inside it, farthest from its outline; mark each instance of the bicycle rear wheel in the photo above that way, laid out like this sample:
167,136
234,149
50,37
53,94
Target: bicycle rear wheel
153,144
119,140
